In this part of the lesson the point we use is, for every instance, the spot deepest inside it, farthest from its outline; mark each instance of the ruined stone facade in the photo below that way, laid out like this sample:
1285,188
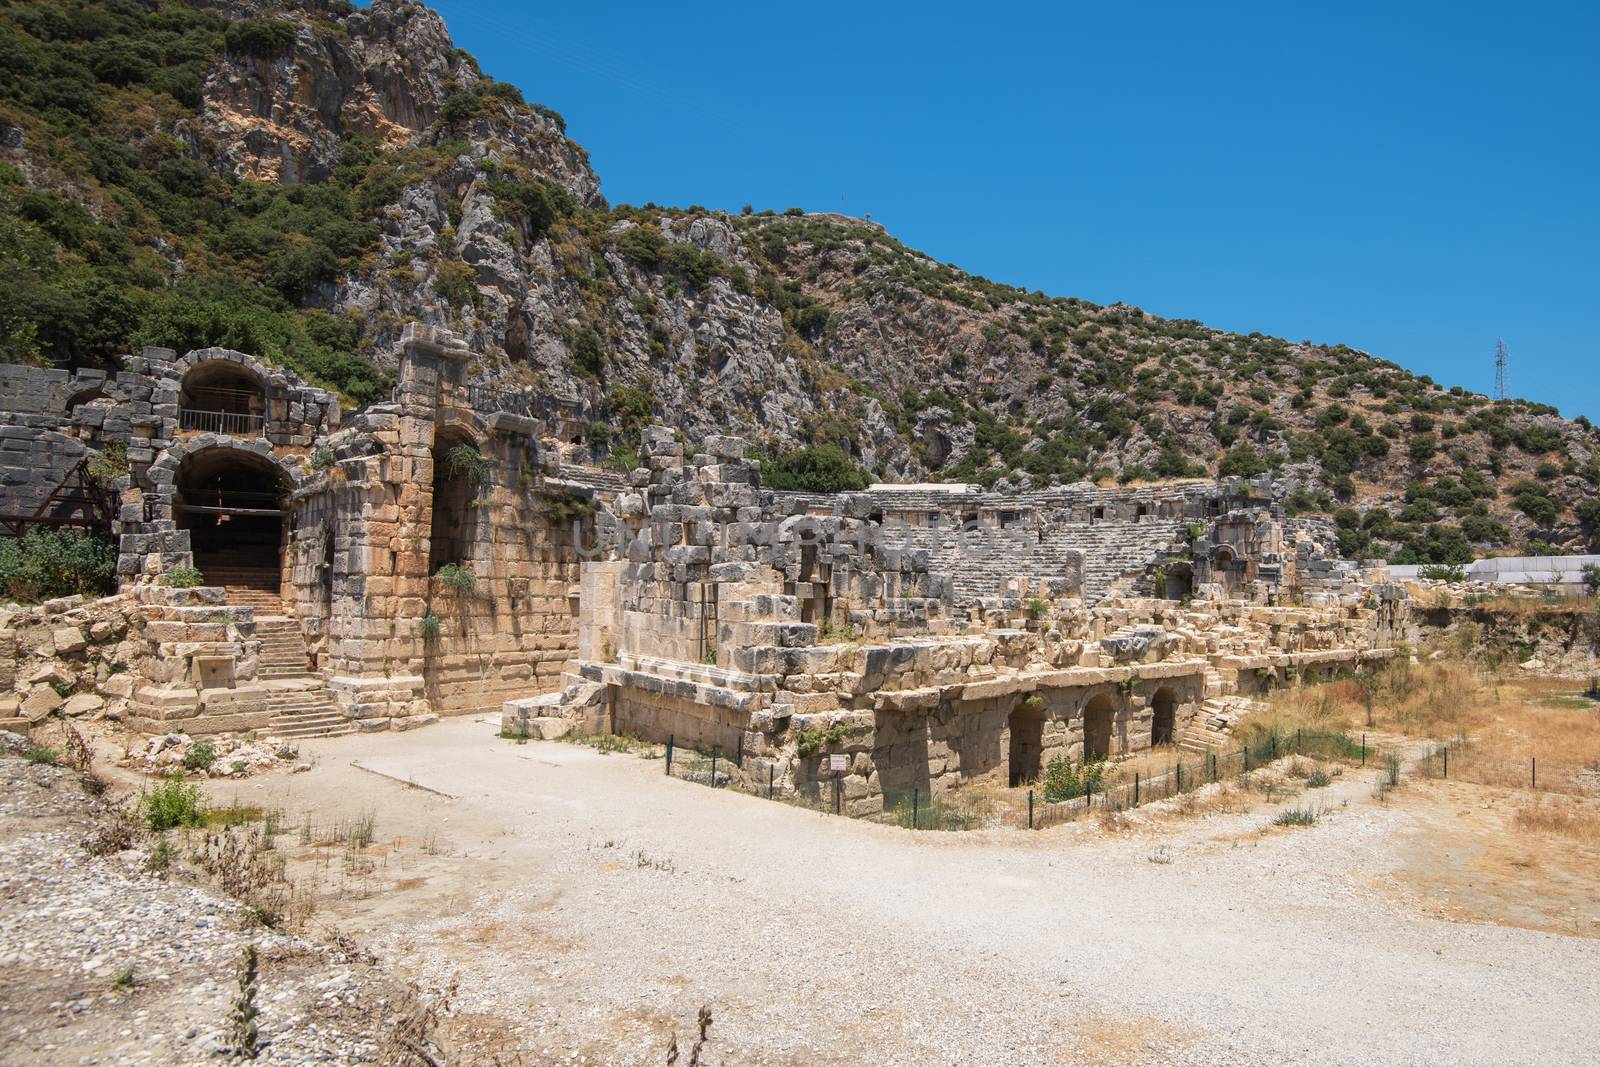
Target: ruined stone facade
432,555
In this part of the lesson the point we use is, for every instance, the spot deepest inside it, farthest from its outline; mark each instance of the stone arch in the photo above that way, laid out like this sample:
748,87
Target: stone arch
94,394
452,523
1099,712
1025,731
1163,717
220,391
234,501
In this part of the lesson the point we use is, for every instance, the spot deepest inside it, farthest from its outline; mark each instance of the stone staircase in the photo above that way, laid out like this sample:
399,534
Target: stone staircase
1209,729
247,584
283,647
299,704
308,712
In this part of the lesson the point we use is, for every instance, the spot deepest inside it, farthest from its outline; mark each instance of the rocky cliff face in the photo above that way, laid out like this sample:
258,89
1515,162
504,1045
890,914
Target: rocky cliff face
802,329
382,73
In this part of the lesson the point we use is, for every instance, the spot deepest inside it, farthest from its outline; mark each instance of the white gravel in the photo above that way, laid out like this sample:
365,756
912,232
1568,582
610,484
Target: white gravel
588,905
71,923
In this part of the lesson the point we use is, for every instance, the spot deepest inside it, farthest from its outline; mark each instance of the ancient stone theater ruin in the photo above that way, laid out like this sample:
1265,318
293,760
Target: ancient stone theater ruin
444,553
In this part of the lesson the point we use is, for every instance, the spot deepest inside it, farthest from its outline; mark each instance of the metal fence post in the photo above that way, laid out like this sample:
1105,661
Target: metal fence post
1363,750
739,760
914,805
1135,790
669,755
772,773
713,766
1180,777
1447,761
1533,782
1030,809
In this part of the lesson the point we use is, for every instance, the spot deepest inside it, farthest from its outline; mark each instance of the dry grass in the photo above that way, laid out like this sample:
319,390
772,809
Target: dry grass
1566,818
1496,724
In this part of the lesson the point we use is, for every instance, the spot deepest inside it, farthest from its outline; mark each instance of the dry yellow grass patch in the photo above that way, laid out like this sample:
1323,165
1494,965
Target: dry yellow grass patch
1497,725
1567,818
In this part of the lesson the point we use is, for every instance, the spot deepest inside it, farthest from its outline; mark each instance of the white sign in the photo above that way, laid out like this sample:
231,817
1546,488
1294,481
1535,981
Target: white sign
838,763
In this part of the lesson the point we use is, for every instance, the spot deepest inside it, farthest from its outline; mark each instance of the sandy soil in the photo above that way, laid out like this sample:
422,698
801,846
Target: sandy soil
579,907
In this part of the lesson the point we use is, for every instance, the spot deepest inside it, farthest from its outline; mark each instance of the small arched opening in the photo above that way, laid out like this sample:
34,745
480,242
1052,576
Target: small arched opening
1179,581
459,473
220,396
95,397
232,504
1026,728
1097,716
1163,716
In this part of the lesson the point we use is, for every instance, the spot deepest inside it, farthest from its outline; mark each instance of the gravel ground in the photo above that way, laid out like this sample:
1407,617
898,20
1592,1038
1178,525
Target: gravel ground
582,907
72,924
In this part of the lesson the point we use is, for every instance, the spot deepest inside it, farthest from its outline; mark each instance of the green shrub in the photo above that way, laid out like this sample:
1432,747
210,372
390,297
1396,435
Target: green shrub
172,804
47,563
1241,461
182,578
1296,817
429,627
456,578
456,283
823,469
465,463
262,38
41,754
201,755
1065,780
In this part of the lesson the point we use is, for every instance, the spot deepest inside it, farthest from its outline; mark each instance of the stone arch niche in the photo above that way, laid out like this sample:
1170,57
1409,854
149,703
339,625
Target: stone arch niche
233,504
1163,717
1025,728
1098,716
453,522
222,396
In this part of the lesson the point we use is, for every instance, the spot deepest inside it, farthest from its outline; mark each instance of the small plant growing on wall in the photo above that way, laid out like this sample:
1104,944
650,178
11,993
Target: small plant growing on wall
108,464
182,578
321,459
456,578
1127,685
466,463
1037,605
429,627
559,509
1159,584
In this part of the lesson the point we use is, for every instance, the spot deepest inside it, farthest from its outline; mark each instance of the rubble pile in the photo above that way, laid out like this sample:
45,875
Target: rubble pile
217,757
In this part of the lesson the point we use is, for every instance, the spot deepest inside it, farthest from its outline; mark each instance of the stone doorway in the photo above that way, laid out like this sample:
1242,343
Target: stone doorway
1026,728
1163,717
1097,715
231,502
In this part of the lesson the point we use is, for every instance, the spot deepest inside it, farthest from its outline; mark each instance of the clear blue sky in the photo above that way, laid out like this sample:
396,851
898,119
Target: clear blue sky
1415,180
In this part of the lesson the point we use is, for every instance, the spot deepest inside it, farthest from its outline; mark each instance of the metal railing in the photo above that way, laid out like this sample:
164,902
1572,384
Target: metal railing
227,422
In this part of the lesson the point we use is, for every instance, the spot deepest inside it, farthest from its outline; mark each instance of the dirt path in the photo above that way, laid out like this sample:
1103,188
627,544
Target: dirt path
583,905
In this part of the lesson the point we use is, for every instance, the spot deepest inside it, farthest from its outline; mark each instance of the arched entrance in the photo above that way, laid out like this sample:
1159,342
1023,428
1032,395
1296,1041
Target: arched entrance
232,503
459,471
1163,717
220,396
1097,715
1026,728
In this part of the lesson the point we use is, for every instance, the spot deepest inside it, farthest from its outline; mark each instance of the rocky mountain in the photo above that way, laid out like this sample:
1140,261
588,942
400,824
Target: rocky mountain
300,179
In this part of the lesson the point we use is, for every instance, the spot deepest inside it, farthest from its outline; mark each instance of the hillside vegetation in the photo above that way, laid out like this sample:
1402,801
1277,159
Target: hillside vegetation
299,180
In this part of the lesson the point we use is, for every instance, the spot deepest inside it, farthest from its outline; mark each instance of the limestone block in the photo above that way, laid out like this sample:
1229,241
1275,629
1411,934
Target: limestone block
40,702
83,704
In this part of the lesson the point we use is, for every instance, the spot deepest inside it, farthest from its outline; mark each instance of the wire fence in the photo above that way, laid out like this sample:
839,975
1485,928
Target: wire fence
1190,772
964,809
